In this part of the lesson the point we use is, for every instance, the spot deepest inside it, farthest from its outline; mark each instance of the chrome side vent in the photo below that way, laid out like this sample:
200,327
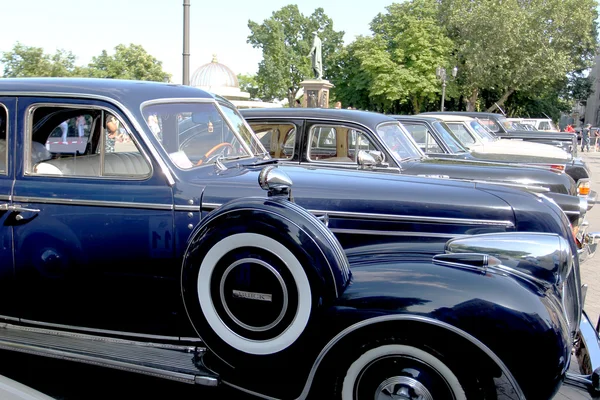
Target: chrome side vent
474,261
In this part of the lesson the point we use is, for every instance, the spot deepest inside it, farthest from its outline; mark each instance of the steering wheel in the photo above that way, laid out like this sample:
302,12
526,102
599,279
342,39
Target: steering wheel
211,151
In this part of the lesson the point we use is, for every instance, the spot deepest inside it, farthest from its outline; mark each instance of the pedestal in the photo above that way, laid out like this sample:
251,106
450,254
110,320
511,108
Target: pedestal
316,93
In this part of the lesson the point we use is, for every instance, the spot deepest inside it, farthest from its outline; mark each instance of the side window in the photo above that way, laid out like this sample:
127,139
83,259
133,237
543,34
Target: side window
83,142
3,142
423,137
461,133
337,143
278,139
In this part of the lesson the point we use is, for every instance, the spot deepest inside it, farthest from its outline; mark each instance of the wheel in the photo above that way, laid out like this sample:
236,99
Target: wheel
393,370
208,154
255,274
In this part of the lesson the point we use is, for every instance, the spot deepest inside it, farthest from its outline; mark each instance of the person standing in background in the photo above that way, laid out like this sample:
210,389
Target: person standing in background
585,137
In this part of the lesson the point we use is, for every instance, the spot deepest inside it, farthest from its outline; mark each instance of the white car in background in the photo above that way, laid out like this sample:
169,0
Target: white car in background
13,390
540,124
478,139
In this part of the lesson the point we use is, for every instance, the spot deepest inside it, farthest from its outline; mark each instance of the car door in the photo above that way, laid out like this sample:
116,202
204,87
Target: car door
8,307
95,250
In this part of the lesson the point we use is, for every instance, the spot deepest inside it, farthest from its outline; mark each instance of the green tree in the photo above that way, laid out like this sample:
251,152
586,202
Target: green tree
248,84
25,61
512,45
128,62
285,40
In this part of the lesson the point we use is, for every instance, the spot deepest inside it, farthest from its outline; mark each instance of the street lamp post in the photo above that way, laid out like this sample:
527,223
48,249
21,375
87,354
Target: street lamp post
186,42
440,72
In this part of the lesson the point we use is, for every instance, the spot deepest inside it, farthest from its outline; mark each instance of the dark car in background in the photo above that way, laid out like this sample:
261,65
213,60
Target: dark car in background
192,255
437,140
334,138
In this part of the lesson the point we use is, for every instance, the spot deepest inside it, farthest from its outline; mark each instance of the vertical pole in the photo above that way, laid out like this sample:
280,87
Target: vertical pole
186,42
443,93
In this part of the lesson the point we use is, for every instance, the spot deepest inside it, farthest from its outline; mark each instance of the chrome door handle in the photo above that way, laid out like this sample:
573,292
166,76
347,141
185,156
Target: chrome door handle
17,208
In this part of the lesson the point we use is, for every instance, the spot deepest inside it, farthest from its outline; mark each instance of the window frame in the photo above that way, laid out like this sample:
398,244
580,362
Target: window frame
28,138
7,133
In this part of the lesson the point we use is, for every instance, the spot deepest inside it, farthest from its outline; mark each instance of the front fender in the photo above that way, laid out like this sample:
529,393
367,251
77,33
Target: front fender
517,320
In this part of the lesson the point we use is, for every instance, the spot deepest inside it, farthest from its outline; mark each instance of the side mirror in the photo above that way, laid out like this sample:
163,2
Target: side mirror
370,159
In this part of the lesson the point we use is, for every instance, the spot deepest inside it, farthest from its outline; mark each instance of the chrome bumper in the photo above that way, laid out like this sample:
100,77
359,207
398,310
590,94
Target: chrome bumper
587,351
592,198
588,242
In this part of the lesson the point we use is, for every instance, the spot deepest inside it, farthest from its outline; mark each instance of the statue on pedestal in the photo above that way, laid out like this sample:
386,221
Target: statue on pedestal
315,54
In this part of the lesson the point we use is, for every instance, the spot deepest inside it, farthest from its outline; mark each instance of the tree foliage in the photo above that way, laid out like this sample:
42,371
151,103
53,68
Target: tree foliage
25,61
285,40
514,45
249,85
128,62
396,67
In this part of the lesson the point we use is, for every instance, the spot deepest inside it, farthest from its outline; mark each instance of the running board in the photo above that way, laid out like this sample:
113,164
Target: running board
178,363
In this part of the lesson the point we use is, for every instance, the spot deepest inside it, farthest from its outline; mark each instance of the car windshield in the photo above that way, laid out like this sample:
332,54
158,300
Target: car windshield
448,137
399,141
490,124
199,133
481,131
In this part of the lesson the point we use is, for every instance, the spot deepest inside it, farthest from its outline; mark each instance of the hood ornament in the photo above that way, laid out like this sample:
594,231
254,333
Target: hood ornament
275,182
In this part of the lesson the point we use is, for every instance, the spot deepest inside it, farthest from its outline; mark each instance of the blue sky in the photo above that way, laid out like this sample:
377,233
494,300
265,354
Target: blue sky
86,27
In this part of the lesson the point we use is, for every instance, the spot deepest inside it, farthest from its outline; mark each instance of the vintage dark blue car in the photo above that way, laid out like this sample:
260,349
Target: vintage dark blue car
175,246
333,138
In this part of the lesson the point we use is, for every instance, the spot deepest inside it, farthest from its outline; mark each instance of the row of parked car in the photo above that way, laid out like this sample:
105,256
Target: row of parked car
292,253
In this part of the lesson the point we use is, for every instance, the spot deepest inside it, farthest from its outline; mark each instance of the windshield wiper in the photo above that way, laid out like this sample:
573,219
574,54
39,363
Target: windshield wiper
261,162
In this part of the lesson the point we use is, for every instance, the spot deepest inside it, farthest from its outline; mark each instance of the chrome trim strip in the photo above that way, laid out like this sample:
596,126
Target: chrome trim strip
412,218
101,331
187,208
8,127
7,318
401,233
393,217
4,197
210,206
96,203
163,166
415,318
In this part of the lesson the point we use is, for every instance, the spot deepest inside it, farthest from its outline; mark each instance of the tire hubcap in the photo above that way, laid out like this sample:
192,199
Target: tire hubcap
402,388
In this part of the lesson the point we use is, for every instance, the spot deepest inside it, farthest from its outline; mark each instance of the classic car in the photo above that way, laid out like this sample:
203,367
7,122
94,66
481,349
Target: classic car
437,140
333,138
538,124
501,127
192,255
478,138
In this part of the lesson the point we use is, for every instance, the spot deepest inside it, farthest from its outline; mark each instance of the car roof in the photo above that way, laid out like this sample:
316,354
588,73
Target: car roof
451,117
425,118
128,92
475,114
364,117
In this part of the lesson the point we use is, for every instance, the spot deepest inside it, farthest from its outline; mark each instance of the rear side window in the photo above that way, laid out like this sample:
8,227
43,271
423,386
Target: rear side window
423,137
461,133
278,138
337,143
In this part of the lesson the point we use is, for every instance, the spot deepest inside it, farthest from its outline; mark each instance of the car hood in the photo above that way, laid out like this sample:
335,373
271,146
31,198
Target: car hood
521,147
379,203
533,177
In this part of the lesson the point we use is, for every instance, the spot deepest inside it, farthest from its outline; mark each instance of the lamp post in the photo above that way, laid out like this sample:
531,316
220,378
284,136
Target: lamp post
186,42
440,72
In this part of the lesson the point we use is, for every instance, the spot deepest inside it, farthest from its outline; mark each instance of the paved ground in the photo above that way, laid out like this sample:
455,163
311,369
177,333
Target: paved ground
590,270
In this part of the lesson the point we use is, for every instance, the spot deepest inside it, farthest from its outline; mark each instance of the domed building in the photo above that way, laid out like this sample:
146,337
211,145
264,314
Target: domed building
219,79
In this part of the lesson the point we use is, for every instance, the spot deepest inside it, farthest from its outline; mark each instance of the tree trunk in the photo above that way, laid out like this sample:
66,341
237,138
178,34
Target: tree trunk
500,102
472,100
416,104
292,98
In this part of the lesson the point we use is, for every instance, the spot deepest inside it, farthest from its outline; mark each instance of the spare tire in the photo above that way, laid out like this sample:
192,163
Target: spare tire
255,272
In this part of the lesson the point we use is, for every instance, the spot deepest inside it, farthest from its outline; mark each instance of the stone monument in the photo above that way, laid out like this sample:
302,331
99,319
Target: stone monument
316,91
